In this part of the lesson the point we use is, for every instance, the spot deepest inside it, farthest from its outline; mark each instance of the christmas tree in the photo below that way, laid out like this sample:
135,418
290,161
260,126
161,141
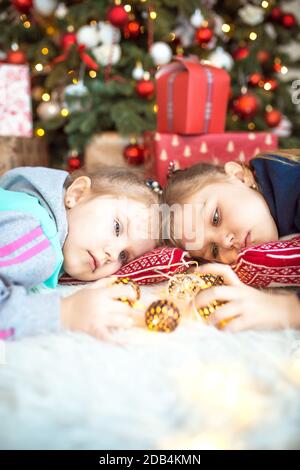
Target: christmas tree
93,62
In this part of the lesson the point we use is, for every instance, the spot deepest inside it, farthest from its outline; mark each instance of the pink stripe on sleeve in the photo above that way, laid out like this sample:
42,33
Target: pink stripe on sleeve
5,334
11,247
35,250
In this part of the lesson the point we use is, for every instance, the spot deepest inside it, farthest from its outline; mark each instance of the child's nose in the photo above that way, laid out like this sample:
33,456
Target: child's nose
111,254
228,240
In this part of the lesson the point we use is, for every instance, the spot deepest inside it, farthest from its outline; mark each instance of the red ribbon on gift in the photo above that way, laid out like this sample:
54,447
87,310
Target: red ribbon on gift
83,55
208,102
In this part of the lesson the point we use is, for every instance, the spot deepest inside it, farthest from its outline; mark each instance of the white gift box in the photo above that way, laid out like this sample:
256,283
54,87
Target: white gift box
15,101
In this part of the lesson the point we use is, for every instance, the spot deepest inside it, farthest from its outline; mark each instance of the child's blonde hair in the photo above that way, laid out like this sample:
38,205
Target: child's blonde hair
184,183
116,181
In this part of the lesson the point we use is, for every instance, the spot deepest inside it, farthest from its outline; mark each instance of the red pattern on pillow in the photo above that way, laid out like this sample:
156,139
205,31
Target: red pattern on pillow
156,265
273,264
152,267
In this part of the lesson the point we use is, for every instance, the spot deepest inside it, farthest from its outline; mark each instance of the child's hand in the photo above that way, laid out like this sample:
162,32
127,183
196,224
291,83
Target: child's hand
95,309
251,308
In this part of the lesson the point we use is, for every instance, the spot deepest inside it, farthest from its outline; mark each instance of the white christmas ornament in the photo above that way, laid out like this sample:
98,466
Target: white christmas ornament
78,89
108,34
107,54
161,53
88,36
184,30
138,72
48,110
221,58
61,11
251,14
197,18
45,7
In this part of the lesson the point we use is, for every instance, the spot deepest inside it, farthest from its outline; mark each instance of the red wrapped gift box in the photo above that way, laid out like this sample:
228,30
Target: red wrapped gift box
161,149
192,97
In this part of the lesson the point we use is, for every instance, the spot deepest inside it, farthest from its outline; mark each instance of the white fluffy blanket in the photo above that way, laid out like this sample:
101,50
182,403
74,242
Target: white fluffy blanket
195,388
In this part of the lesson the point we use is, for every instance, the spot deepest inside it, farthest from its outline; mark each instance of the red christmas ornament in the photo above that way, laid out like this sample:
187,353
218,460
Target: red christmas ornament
288,20
134,154
74,163
16,57
145,88
263,56
203,35
246,106
254,79
23,6
273,117
117,16
132,29
241,53
276,14
277,67
68,40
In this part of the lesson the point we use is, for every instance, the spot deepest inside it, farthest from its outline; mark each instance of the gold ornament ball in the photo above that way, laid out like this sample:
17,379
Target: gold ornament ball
163,316
185,286
127,281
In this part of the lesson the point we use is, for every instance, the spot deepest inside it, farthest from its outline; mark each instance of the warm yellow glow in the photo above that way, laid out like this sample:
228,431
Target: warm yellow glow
50,30
75,81
27,24
252,36
45,97
172,37
251,126
64,112
234,117
284,70
146,76
45,50
225,28
117,2
39,67
155,107
269,108
127,8
264,4
92,74
70,28
40,132
153,15
267,86
93,23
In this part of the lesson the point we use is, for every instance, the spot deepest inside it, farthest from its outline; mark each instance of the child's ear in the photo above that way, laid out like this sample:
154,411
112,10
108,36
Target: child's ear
235,169
79,190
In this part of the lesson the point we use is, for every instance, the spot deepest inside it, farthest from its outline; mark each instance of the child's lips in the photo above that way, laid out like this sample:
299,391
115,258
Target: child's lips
94,262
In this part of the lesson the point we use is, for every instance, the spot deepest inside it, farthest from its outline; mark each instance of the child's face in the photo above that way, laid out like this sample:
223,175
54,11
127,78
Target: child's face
226,212
105,233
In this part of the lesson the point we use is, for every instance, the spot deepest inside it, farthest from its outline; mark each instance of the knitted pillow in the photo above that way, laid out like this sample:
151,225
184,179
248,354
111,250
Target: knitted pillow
273,264
152,267
156,265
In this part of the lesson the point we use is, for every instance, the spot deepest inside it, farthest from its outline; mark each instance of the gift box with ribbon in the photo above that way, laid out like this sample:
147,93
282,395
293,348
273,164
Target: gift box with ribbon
192,97
160,149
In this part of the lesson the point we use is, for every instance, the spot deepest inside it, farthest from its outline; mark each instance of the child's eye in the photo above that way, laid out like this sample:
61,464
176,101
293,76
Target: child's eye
214,251
123,256
216,217
117,227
